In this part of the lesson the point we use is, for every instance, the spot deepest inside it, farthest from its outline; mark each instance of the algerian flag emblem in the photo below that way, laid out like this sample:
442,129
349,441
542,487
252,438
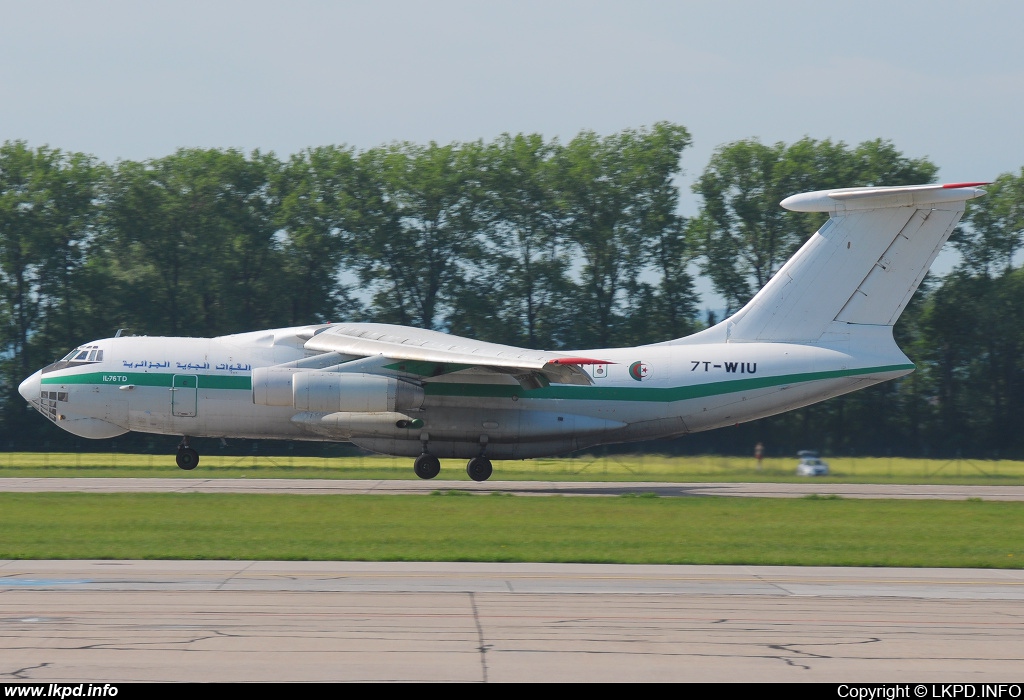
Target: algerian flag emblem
639,371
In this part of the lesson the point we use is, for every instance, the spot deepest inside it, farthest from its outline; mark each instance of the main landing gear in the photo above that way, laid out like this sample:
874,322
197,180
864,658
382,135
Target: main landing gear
427,466
187,458
479,468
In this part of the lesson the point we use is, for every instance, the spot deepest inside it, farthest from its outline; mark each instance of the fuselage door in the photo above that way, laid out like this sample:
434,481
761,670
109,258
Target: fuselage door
184,392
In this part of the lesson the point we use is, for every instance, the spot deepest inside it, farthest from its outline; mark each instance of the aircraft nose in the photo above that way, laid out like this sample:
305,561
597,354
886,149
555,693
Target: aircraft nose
30,387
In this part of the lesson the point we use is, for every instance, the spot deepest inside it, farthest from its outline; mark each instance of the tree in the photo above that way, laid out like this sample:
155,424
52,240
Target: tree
251,290
516,286
673,306
412,223
316,190
48,209
617,200
993,227
22,202
192,239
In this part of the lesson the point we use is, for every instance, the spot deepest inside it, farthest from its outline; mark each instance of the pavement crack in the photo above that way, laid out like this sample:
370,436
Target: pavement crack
232,577
482,647
795,653
22,673
773,584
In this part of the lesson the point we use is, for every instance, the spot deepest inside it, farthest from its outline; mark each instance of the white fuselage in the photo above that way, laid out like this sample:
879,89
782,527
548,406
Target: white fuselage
202,387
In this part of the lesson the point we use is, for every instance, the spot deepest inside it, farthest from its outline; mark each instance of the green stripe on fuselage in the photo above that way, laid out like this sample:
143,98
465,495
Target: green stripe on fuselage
206,381
505,391
642,393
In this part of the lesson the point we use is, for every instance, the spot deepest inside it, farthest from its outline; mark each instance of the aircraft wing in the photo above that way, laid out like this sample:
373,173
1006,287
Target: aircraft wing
451,353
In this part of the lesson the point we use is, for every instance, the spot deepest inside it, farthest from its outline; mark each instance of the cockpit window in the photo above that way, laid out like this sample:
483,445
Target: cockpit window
79,356
85,353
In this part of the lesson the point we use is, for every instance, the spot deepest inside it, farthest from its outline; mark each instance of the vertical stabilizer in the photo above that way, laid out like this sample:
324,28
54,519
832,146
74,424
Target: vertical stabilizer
860,268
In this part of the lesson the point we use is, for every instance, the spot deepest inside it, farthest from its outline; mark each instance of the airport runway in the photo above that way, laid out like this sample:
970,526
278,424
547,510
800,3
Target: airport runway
521,488
129,621
132,621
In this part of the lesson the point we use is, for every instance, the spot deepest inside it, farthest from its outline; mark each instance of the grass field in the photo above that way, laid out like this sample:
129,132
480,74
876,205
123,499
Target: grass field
581,468
458,526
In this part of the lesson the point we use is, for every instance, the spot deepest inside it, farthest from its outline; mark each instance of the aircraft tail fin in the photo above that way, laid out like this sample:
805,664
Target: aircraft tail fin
860,268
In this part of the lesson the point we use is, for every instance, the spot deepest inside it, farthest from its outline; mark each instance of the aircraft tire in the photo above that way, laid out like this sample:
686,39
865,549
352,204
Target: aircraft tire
427,466
479,469
187,458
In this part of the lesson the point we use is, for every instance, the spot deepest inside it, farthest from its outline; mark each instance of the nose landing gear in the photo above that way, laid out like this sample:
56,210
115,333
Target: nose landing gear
427,466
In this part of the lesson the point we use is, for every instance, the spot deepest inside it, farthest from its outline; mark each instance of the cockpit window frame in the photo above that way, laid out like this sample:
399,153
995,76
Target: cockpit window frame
82,355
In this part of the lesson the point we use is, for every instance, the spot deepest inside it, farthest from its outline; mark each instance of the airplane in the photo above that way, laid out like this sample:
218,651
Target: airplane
822,326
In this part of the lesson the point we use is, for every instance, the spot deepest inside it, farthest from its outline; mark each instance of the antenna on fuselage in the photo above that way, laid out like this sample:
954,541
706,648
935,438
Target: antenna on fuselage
120,331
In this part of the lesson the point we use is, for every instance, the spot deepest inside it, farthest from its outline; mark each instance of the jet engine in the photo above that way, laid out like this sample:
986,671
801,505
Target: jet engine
332,392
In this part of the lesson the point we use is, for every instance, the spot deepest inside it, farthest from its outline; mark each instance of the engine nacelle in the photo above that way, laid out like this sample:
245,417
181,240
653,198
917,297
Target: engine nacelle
332,392
272,386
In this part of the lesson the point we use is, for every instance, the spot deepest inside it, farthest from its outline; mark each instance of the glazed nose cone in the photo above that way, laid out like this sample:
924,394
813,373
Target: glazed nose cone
30,387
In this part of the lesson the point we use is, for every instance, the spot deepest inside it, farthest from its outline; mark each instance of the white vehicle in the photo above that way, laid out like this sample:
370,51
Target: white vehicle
820,328
810,464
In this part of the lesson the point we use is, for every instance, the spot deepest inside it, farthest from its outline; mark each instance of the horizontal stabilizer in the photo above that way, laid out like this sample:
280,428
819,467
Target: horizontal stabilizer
848,198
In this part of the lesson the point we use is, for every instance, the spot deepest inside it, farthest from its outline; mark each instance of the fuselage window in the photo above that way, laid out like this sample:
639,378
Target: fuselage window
82,355
92,355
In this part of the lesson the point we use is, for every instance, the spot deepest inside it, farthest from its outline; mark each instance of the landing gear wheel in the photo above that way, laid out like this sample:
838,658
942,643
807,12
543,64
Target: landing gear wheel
187,458
479,468
427,466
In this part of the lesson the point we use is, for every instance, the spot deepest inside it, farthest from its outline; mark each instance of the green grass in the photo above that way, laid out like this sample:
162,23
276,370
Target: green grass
460,527
580,468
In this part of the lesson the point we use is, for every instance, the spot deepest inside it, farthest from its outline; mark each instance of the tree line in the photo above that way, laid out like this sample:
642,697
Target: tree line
520,240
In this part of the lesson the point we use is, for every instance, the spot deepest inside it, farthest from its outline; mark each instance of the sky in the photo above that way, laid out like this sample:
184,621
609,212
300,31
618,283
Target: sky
137,80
